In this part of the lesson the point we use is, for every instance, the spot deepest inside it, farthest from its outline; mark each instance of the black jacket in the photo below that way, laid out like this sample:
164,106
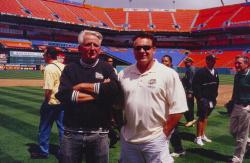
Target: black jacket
205,85
92,114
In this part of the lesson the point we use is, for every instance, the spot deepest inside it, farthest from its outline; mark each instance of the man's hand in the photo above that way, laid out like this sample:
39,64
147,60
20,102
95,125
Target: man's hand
106,80
189,95
171,123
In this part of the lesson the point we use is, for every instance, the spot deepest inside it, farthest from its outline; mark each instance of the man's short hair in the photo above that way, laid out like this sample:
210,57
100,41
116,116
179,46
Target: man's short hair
187,60
89,32
167,56
211,57
52,52
146,35
245,58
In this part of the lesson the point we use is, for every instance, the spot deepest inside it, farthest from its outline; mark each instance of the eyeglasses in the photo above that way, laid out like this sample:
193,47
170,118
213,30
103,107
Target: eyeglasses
145,48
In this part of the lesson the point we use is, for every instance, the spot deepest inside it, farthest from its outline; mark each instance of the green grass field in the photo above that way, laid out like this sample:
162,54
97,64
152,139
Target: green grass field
21,74
19,118
224,79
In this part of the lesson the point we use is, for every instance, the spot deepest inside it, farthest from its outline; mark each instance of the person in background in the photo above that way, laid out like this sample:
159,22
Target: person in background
116,115
167,61
175,137
240,115
187,81
88,89
51,109
205,87
110,61
154,102
61,58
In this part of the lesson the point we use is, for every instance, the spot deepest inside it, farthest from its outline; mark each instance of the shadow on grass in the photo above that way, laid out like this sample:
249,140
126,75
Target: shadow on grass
19,127
11,104
29,90
34,148
4,157
223,113
211,154
187,136
22,96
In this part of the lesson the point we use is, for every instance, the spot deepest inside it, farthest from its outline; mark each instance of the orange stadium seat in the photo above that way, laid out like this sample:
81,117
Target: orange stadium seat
83,13
163,21
185,18
12,7
243,16
38,9
64,13
204,17
100,14
16,44
138,20
224,14
118,16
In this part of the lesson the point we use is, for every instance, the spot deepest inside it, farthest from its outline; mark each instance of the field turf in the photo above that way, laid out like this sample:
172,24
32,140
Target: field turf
224,79
19,118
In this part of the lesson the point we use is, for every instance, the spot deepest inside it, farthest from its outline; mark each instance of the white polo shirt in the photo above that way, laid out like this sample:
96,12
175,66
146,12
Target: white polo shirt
149,99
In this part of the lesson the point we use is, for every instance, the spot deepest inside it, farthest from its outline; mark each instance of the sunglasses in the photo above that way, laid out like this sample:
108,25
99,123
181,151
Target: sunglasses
145,48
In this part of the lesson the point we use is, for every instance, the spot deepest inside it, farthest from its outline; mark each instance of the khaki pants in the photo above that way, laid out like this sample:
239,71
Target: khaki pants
239,128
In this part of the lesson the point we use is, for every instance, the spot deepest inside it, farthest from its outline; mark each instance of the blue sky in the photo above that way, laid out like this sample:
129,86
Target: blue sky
161,4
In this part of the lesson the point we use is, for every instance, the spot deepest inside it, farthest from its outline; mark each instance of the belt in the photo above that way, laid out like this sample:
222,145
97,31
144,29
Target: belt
87,131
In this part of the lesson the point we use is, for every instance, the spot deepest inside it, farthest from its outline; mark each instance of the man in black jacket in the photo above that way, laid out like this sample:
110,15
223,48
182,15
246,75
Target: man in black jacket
187,81
87,91
205,87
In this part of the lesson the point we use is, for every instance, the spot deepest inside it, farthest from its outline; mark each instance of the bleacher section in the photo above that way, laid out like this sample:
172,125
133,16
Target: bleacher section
37,12
173,29
12,7
185,19
62,13
132,19
118,16
162,21
138,20
225,57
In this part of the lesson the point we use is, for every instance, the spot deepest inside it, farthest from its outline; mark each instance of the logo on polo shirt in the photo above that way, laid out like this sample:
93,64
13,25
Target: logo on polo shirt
98,76
152,83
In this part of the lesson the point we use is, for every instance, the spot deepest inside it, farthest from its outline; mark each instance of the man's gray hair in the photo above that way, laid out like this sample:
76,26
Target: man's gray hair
244,57
89,32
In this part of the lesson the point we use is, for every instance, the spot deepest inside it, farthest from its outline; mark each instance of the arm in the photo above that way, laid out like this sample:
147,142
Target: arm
196,85
47,94
67,93
171,123
176,99
190,80
83,97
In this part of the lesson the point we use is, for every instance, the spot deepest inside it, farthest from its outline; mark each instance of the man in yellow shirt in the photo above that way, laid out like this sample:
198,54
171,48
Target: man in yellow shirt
51,109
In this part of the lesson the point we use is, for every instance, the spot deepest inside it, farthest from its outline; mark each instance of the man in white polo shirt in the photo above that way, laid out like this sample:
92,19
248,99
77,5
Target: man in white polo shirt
154,103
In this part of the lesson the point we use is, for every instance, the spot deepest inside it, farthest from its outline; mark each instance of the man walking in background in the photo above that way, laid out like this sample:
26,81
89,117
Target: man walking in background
240,116
205,87
51,109
187,81
175,137
154,103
